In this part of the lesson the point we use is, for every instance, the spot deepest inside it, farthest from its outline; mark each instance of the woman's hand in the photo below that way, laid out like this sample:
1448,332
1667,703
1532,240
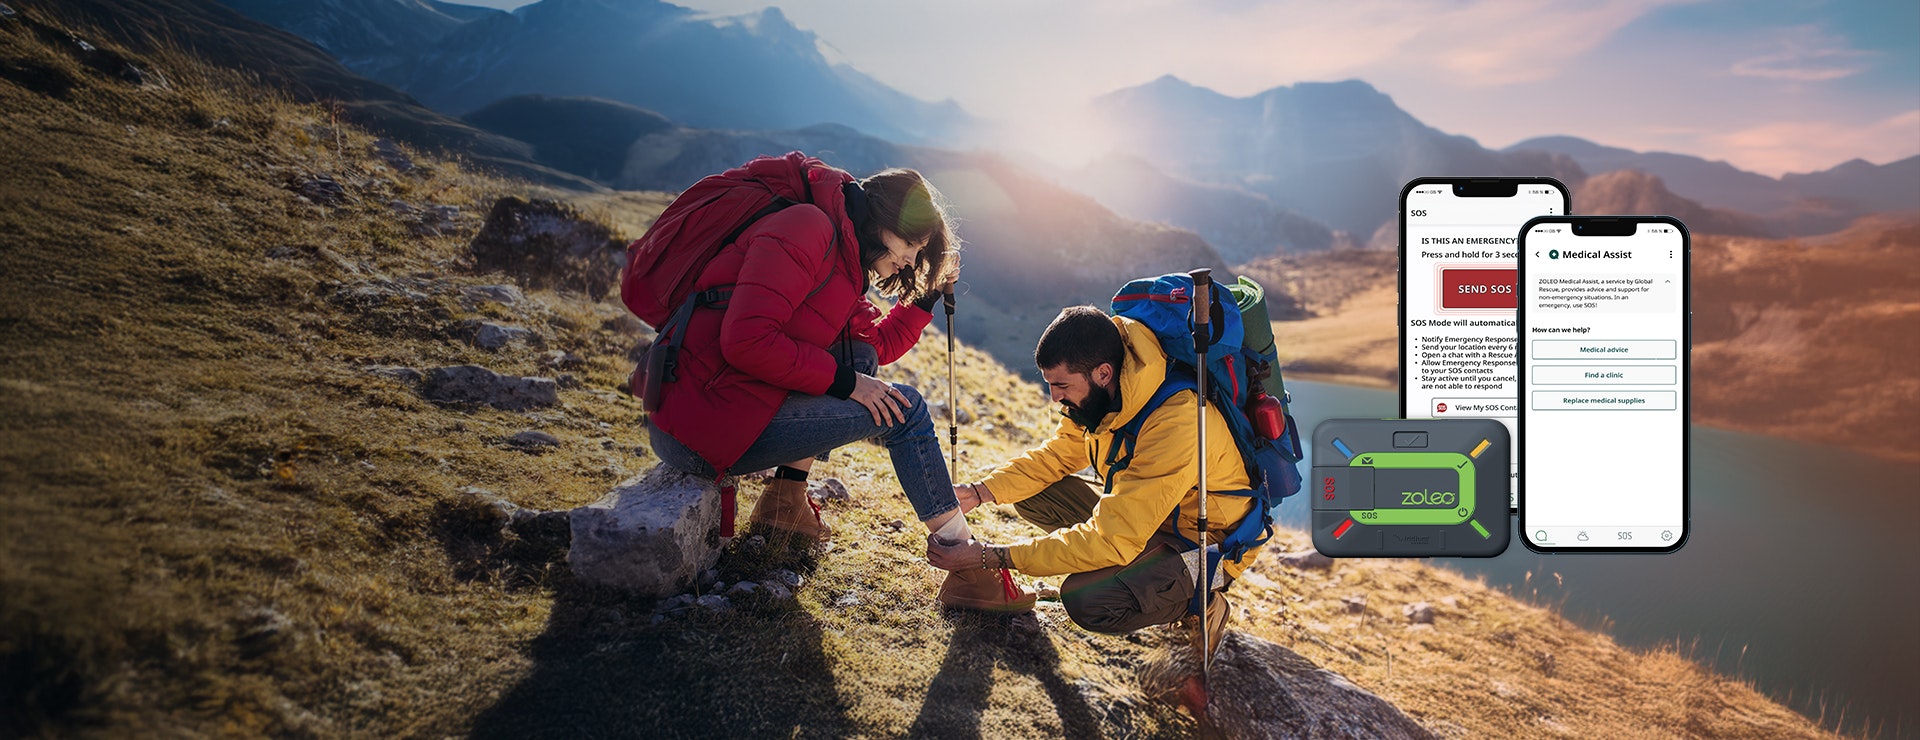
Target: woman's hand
886,402
957,556
971,495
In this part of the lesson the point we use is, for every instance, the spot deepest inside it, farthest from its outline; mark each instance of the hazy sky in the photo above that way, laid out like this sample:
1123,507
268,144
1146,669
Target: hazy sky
1770,85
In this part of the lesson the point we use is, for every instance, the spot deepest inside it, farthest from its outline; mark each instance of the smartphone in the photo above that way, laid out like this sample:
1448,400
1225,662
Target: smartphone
1457,270
1605,334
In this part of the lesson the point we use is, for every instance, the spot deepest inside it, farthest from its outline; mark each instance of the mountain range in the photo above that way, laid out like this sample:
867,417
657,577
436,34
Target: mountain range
749,72
1794,204
1294,168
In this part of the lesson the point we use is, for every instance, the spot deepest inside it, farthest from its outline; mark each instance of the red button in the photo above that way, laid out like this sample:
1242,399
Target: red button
1477,288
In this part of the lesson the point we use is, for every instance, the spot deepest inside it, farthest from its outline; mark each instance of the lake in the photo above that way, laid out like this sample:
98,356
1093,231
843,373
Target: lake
1794,575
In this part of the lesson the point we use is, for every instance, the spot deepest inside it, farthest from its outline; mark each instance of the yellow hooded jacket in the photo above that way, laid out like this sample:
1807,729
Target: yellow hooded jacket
1164,472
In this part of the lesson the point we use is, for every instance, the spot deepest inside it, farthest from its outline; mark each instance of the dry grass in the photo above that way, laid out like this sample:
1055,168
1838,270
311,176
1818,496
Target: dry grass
214,521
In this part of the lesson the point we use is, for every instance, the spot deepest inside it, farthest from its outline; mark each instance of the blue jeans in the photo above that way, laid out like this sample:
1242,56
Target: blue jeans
808,426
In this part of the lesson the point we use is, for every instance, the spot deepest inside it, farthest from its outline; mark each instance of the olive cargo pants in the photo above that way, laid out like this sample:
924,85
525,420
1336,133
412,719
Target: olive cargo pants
1153,589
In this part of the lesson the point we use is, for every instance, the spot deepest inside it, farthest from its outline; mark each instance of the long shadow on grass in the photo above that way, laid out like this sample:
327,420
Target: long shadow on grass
603,670
959,693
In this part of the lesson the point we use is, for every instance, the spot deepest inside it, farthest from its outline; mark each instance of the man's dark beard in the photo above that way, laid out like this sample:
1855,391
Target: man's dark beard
1091,411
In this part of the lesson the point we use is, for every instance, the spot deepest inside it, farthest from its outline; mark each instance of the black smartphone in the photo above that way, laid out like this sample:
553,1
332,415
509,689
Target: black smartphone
1604,339
1457,272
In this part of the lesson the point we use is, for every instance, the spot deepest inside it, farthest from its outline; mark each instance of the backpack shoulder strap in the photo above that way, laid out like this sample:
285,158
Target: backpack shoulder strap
1128,435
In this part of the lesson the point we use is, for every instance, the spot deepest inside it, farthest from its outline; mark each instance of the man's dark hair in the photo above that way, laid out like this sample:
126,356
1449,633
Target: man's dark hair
1081,338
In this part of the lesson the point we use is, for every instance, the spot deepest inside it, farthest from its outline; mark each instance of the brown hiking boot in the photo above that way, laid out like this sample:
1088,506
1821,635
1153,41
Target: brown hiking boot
1218,611
785,506
985,590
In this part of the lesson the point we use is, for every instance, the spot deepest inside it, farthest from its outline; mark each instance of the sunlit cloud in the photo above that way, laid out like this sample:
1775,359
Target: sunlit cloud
1806,55
1808,146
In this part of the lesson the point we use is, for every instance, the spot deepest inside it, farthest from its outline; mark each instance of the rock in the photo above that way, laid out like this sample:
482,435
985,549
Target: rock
677,603
6,12
548,244
494,336
568,381
775,591
897,525
629,325
653,534
939,411
321,189
1354,604
831,489
743,588
847,599
1418,612
560,360
1046,590
1263,690
504,294
1252,578
533,441
391,154
1450,602
405,375
707,578
475,384
1306,560
714,603
786,577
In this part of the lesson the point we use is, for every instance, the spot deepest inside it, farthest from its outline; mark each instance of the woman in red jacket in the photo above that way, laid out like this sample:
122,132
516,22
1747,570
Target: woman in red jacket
782,371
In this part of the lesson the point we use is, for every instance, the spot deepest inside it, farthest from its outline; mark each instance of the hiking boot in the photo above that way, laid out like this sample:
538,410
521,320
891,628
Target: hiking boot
985,590
1218,610
785,506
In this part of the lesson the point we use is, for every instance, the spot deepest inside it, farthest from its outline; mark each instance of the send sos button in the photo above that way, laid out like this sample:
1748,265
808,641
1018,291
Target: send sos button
1477,288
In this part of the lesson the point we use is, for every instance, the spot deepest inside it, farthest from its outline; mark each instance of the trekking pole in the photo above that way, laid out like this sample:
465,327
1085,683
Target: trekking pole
953,403
1200,313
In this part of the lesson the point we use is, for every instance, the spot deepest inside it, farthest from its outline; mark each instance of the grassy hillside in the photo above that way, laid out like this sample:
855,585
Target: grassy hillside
216,520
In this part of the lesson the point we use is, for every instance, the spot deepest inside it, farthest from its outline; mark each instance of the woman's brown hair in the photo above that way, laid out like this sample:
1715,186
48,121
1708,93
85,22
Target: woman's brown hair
903,202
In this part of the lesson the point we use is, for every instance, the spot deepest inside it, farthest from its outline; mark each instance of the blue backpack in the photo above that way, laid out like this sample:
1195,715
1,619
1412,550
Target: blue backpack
1243,371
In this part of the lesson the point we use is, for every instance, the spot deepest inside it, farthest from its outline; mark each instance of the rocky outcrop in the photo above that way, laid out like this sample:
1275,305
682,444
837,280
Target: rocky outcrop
653,535
1263,690
547,244
475,384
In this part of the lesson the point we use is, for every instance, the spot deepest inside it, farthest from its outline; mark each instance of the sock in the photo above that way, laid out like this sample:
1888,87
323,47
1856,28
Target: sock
785,473
954,531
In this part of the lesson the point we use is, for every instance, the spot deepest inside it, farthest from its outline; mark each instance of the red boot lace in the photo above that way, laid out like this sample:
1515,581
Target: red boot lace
1007,587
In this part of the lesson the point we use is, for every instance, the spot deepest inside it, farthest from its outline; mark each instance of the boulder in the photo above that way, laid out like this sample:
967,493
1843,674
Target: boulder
503,294
653,535
1263,690
475,384
1305,560
489,335
548,244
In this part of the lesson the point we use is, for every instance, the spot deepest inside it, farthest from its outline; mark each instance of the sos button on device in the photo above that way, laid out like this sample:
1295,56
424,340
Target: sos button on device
1410,488
1477,288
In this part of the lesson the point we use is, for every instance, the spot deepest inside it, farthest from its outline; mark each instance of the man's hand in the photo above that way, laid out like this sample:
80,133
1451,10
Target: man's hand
954,557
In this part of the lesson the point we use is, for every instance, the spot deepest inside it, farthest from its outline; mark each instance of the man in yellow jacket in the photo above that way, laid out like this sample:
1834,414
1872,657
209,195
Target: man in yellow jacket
1119,547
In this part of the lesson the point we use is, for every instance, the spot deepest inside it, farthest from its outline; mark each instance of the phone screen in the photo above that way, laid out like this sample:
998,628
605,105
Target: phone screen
1457,250
1604,345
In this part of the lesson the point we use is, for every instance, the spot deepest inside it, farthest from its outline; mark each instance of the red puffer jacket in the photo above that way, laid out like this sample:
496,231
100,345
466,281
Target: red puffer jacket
797,285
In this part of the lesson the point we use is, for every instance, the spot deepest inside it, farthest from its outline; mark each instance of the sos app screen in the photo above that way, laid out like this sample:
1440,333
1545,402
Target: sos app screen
1458,271
1603,376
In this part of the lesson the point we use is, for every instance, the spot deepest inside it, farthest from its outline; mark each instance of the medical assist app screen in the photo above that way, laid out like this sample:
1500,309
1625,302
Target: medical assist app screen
1604,381
1457,297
